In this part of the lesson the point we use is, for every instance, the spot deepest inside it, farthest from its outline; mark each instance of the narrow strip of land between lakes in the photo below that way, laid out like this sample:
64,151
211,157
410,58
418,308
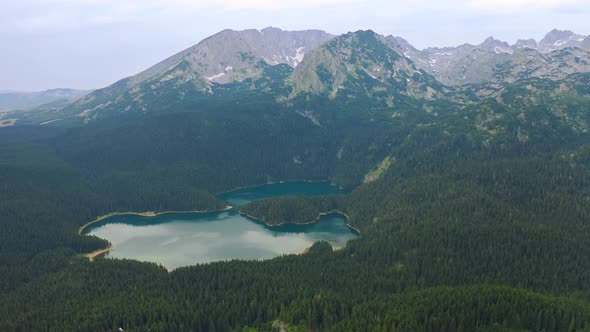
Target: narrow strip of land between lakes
317,219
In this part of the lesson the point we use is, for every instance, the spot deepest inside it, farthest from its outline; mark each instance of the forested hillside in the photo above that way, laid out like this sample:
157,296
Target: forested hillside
472,204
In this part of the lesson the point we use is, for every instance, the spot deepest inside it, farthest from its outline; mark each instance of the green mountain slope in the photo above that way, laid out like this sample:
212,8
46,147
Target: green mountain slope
361,63
472,202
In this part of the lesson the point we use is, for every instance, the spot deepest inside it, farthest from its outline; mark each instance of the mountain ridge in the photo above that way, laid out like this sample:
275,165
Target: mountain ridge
234,60
453,190
29,99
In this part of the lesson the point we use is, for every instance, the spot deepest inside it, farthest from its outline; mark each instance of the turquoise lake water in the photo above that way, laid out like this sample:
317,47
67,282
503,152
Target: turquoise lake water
184,239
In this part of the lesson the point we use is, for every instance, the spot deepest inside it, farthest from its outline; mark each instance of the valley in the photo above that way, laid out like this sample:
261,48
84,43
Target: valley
468,178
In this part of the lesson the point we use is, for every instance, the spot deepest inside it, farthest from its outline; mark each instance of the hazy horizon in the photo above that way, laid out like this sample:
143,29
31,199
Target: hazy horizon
89,44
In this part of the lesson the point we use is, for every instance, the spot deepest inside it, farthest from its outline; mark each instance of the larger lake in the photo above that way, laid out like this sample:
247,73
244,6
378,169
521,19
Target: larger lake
182,239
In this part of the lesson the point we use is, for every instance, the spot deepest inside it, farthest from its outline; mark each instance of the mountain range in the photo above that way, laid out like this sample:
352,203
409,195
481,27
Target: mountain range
558,54
296,63
467,170
17,100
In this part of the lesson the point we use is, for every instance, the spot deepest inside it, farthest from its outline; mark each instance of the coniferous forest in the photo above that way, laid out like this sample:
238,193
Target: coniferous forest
472,216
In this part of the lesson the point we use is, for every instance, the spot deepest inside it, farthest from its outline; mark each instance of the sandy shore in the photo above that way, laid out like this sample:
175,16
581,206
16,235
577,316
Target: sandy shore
91,256
7,123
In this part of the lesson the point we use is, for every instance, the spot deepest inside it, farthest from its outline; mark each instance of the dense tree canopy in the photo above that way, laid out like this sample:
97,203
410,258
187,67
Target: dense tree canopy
472,218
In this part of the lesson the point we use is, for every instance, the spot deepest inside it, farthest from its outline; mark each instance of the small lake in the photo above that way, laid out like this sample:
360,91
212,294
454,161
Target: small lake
184,239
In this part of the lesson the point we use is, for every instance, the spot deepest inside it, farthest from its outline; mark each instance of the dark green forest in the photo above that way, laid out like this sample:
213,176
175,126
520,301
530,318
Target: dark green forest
473,217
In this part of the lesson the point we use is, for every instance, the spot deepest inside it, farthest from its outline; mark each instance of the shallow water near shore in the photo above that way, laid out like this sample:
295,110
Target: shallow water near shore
183,239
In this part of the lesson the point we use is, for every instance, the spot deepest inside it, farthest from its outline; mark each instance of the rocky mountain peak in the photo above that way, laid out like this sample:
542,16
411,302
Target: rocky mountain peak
360,61
495,45
404,47
526,43
232,56
558,39
400,41
555,35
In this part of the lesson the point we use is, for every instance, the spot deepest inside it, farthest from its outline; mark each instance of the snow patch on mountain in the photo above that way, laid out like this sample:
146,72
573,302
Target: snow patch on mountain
211,78
299,54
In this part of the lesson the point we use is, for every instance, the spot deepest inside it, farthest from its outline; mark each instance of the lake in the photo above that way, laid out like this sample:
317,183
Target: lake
183,239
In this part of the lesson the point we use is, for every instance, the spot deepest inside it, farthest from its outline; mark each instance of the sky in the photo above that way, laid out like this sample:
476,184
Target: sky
88,44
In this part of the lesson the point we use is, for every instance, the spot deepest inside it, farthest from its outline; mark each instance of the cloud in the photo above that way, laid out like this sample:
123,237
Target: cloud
220,4
514,5
258,4
46,16
52,16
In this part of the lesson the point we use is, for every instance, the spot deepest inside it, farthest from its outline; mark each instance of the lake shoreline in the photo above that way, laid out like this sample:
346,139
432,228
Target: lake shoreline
145,214
316,220
94,254
84,229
